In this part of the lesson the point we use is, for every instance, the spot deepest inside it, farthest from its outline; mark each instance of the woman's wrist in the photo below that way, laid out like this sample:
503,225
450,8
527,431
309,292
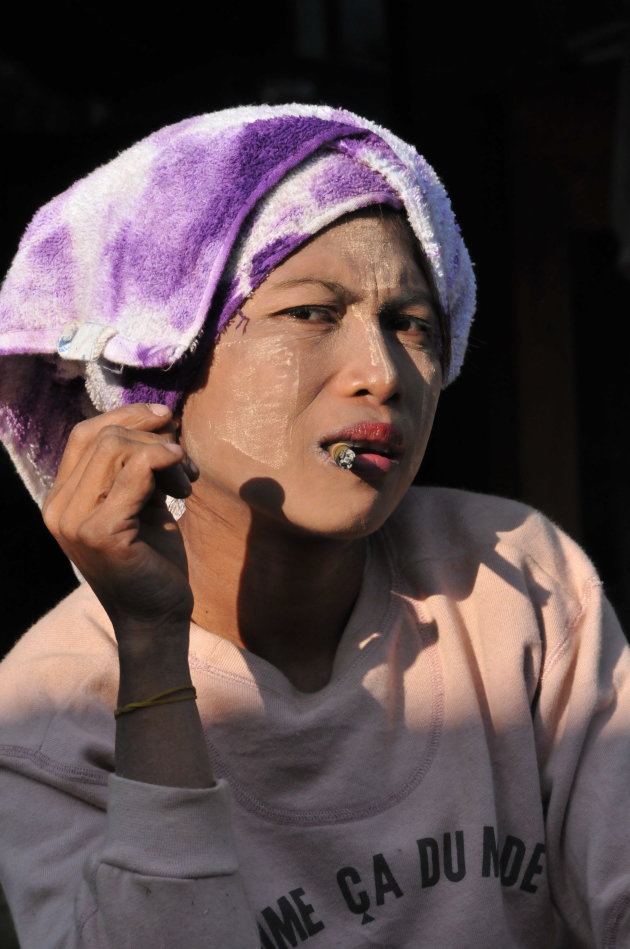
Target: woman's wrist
145,642
159,742
151,662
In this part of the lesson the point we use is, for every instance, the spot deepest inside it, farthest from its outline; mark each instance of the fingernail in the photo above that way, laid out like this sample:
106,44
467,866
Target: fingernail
158,409
174,447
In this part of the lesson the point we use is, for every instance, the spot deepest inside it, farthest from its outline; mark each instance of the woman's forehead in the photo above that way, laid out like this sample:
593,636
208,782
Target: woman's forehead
360,247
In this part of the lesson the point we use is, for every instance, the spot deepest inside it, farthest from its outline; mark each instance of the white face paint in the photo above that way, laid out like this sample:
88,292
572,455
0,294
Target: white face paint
239,425
342,334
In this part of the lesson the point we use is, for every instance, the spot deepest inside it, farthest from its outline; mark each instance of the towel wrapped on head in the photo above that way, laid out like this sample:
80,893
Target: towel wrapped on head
122,282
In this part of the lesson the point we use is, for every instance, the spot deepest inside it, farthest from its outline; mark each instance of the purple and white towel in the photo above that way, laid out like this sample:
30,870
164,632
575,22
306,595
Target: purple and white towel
122,273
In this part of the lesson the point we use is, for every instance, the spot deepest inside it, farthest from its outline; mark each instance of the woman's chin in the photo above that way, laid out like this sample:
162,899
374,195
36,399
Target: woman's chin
343,519
347,506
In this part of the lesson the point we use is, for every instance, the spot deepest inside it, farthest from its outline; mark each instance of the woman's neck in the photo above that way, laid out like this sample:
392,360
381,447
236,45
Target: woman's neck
280,594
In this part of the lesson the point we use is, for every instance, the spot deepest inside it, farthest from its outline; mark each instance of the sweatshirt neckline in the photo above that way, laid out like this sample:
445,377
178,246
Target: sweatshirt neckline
293,758
366,625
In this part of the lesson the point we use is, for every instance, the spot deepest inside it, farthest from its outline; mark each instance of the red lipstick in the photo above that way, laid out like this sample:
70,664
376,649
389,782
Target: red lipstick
366,447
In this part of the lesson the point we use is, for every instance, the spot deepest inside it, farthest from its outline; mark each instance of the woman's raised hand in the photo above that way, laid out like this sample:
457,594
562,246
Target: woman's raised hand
107,511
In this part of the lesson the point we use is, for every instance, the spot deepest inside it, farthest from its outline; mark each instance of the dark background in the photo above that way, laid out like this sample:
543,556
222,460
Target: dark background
520,109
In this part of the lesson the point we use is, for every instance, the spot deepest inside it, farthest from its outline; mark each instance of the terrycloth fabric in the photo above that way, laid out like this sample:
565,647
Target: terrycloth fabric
123,269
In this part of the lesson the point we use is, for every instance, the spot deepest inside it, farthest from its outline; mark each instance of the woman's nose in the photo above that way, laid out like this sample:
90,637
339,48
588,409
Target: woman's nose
368,364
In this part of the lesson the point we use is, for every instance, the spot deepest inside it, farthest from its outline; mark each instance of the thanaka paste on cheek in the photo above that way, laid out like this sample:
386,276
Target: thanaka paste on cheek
255,422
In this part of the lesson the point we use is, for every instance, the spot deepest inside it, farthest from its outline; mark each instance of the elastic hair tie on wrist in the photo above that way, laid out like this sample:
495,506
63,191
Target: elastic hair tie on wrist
162,698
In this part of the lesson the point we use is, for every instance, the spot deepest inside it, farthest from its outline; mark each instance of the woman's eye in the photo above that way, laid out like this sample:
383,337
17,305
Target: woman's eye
311,314
415,326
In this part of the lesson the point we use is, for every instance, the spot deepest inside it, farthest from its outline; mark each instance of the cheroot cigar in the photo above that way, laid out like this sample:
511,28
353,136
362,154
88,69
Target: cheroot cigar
342,455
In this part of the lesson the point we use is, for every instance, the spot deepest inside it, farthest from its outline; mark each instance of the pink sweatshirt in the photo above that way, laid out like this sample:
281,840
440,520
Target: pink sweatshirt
462,781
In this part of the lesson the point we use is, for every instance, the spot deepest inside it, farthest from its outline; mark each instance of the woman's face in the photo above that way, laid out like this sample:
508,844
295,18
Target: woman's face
338,344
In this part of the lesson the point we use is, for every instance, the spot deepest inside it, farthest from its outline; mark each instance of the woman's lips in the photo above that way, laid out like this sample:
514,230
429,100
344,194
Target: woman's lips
369,463
377,445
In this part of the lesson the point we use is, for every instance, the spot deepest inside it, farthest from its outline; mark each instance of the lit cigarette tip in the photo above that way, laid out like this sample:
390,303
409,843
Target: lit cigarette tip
342,455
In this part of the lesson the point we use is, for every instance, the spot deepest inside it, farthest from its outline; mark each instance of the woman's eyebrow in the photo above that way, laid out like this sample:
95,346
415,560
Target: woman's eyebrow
410,298
332,285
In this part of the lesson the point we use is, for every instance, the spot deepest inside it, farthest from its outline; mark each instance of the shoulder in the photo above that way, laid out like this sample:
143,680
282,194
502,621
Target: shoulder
443,525
525,593
74,633
58,687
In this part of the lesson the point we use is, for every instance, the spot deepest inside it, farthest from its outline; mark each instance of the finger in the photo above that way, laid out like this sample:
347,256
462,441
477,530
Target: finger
85,441
114,524
138,416
176,481
90,484
89,441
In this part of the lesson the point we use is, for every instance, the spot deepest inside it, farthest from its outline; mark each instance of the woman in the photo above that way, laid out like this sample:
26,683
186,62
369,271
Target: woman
416,700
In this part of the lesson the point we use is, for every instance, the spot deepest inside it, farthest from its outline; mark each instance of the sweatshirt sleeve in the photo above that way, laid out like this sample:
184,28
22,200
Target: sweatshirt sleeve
158,869
584,731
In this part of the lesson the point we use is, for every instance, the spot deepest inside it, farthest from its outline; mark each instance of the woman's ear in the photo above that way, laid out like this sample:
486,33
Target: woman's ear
177,421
